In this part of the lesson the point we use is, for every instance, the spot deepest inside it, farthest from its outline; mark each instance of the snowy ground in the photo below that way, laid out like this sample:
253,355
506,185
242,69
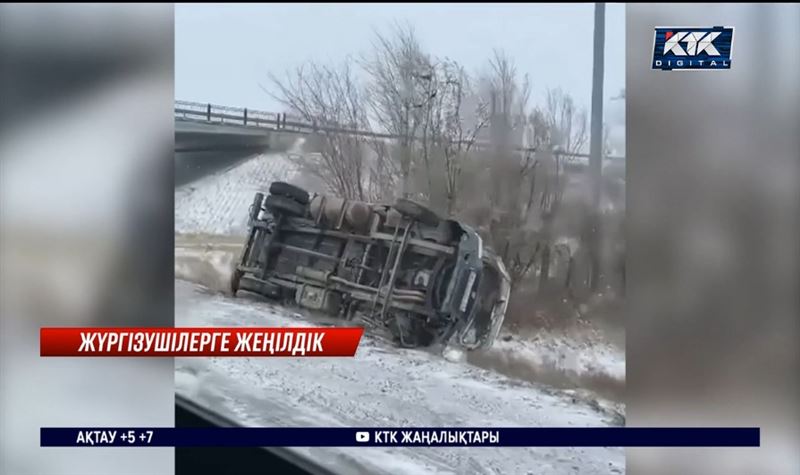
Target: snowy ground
211,222
576,359
565,353
381,386
218,203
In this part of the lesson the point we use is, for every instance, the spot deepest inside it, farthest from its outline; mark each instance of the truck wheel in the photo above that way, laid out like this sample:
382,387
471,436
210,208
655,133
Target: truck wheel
281,188
283,205
414,210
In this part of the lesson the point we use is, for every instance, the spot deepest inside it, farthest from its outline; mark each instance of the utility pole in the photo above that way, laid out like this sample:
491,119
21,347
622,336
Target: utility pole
596,140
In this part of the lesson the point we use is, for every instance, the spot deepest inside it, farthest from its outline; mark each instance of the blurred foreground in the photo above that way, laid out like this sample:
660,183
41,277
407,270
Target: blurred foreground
85,225
713,262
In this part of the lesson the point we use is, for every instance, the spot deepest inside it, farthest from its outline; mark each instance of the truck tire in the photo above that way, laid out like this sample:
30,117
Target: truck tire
281,188
414,210
283,205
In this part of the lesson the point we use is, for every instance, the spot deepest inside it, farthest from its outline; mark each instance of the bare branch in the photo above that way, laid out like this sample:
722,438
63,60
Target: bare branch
329,96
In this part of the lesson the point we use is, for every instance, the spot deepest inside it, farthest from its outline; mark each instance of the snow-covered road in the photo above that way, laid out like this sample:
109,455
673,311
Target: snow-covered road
380,386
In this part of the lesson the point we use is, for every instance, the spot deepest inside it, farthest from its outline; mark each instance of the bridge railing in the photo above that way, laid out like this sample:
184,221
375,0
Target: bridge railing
213,113
242,116
226,115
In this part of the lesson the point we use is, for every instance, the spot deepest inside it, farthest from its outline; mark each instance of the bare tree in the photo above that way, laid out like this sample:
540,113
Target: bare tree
440,115
566,126
453,116
507,96
384,172
398,90
567,134
498,202
330,96
423,101
510,94
567,123
460,128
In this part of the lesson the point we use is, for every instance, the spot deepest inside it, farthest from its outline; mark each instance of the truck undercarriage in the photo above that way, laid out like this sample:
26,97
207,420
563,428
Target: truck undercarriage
398,266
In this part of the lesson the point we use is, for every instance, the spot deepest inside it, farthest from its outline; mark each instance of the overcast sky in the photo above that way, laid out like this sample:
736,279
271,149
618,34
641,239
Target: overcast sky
223,51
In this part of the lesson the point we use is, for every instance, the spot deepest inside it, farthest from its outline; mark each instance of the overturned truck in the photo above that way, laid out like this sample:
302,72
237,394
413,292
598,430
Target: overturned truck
400,266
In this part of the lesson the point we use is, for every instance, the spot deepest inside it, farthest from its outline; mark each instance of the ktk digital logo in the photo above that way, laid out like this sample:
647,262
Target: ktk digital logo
685,49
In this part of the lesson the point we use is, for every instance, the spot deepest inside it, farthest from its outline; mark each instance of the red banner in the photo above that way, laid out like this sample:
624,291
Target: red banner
237,341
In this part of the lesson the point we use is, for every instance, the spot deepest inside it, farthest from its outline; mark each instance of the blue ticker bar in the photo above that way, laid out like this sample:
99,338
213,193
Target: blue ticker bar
401,437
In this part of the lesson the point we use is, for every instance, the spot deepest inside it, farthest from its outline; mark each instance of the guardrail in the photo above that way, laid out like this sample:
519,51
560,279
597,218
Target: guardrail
245,117
226,115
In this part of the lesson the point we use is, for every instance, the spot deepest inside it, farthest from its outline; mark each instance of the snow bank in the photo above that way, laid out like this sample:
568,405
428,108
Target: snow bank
566,353
586,365
218,203
210,267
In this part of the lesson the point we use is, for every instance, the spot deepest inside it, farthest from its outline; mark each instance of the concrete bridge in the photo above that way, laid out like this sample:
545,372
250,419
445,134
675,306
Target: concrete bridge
224,127
221,134
191,136
209,128
210,137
